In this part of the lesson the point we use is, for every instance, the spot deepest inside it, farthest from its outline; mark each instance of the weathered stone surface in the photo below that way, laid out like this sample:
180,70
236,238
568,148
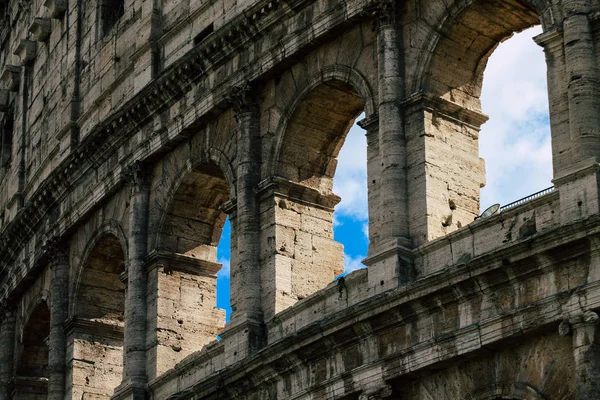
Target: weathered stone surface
137,128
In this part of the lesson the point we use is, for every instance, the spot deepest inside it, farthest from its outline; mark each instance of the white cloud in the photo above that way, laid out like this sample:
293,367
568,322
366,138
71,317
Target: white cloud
515,142
352,263
225,270
350,181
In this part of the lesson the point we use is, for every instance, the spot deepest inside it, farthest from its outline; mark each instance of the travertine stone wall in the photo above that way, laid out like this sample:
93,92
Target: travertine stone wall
298,253
182,313
94,358
132,142
524,369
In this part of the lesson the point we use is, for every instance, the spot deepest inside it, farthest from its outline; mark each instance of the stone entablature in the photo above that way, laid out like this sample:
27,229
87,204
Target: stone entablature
495,297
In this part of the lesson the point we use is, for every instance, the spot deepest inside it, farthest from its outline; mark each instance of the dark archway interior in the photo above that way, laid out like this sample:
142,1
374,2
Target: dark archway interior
460,58
33,361
194,220
101,294
316,132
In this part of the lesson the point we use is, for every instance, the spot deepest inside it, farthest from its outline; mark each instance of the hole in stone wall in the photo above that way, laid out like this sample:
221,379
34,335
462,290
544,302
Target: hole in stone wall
97,334
195,237
351,220
515,142
33,359
324,156
223,276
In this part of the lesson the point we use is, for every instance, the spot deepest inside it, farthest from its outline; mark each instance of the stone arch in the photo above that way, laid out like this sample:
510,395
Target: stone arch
95,334
297,202
506,391
184,261
208,157
336,78
213,168
447,21
33,352
467,35
444,114
110,228
100,292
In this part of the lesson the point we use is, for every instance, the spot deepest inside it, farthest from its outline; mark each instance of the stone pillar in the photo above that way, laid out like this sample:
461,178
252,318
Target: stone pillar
586,353
7,348
94,357
134,371
444,170
389,263
57,342
576,152
371,126
182,313
246,298
558,100
298,253
392,142
583,81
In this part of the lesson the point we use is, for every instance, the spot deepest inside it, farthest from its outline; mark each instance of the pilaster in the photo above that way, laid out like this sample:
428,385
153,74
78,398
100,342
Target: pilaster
246,294
586,352
134,372
392,206
583,81
7,348
57,343
371,126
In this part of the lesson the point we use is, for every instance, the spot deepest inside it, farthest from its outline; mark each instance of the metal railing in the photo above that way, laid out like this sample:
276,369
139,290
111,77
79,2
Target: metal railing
528,198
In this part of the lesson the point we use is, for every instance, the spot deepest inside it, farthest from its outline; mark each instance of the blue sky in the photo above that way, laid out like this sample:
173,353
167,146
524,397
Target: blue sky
515,144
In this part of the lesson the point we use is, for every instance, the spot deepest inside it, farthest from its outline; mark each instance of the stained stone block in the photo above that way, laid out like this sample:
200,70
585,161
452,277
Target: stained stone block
57,8
26,51
4,99
11,76
40,28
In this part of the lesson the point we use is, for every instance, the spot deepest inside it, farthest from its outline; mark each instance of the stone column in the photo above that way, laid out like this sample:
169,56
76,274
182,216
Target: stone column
57,342
392,143
371,126
134,371
7,347
246,299
583,81
586,353
389,263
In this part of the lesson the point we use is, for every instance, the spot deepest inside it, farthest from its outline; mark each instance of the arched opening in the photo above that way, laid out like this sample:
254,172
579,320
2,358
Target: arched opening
32,372
515,142
316,133
448,119
184,269
96,334
304,251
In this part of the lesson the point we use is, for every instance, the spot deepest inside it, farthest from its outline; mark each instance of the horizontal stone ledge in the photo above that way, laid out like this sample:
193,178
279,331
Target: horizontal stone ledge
96,327
40,28
473,118
280,186
182,263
